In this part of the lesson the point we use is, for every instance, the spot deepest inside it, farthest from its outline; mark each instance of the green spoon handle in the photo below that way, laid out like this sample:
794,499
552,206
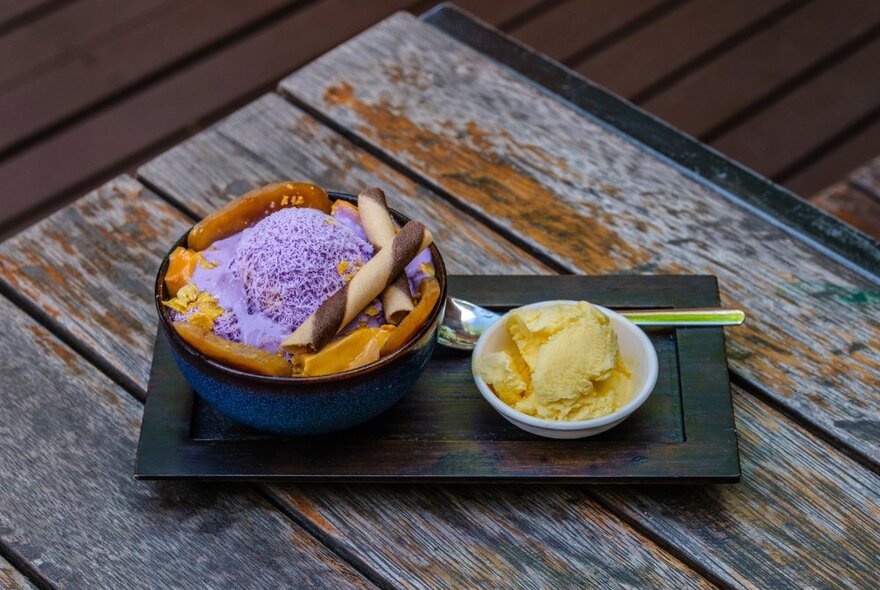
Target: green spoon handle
708,316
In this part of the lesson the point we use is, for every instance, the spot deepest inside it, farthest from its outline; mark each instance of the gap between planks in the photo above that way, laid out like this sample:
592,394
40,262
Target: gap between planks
548,259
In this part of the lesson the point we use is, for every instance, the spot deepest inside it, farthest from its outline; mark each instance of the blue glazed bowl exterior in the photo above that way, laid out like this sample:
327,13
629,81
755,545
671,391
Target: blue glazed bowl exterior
305,405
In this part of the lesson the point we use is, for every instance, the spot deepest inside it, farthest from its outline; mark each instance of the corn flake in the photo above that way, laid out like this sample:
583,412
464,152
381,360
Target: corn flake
202,306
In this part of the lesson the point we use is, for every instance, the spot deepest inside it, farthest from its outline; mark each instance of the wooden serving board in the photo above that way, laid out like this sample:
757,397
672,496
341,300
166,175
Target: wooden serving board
443,430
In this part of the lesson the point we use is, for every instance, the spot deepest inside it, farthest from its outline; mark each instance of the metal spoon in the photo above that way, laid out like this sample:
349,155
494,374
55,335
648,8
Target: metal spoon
465,321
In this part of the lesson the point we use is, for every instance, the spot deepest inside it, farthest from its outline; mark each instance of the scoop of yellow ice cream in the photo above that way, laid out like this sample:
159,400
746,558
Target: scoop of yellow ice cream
564,364
509,380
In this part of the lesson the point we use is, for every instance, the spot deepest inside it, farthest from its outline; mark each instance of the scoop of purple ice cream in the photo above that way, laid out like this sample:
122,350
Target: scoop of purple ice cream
290,261
271,277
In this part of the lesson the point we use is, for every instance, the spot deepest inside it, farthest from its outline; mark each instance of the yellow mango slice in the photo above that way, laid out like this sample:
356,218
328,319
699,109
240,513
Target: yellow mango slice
356,349
427,296
251,207
350,207
237,355
181,265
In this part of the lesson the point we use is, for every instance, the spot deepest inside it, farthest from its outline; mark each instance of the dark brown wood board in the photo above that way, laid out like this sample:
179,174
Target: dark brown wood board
119,59
444,431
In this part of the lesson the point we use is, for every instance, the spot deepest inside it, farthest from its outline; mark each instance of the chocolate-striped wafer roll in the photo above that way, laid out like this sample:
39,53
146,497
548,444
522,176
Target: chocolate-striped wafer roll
344,305
373,209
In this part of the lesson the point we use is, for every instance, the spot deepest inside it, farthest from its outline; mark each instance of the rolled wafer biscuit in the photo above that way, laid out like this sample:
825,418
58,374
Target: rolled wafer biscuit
373,209
344,305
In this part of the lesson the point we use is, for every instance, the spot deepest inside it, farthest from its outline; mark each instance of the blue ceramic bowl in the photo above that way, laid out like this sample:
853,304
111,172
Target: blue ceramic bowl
305,405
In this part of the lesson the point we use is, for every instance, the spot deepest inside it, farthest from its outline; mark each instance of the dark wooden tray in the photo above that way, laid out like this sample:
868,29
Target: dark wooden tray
443,430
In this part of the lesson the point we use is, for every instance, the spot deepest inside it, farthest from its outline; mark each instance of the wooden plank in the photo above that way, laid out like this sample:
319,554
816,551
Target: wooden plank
778,137
11,578
120,59
76,159
548,563
433,528
60,35
738,78
575,24
73,512
651,54
851,204
596,203
837,163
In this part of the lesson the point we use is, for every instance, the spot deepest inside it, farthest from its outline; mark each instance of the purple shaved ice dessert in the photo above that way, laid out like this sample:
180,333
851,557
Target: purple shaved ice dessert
269,278
293,260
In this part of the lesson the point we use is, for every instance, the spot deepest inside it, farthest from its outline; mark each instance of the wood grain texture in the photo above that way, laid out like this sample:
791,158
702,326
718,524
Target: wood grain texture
73,265
851,204
755,534
423,521
647,56
82,155
596,203
118,60
412,534
11,578
73,512
741,76
817,540
488,537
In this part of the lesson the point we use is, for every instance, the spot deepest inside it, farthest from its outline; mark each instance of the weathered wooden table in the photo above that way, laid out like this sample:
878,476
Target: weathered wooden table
519,167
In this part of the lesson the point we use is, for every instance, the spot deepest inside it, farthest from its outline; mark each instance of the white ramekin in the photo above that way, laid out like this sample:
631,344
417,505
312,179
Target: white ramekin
635,348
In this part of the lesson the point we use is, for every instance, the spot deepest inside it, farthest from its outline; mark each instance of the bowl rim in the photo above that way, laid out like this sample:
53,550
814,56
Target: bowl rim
649,354
440,274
